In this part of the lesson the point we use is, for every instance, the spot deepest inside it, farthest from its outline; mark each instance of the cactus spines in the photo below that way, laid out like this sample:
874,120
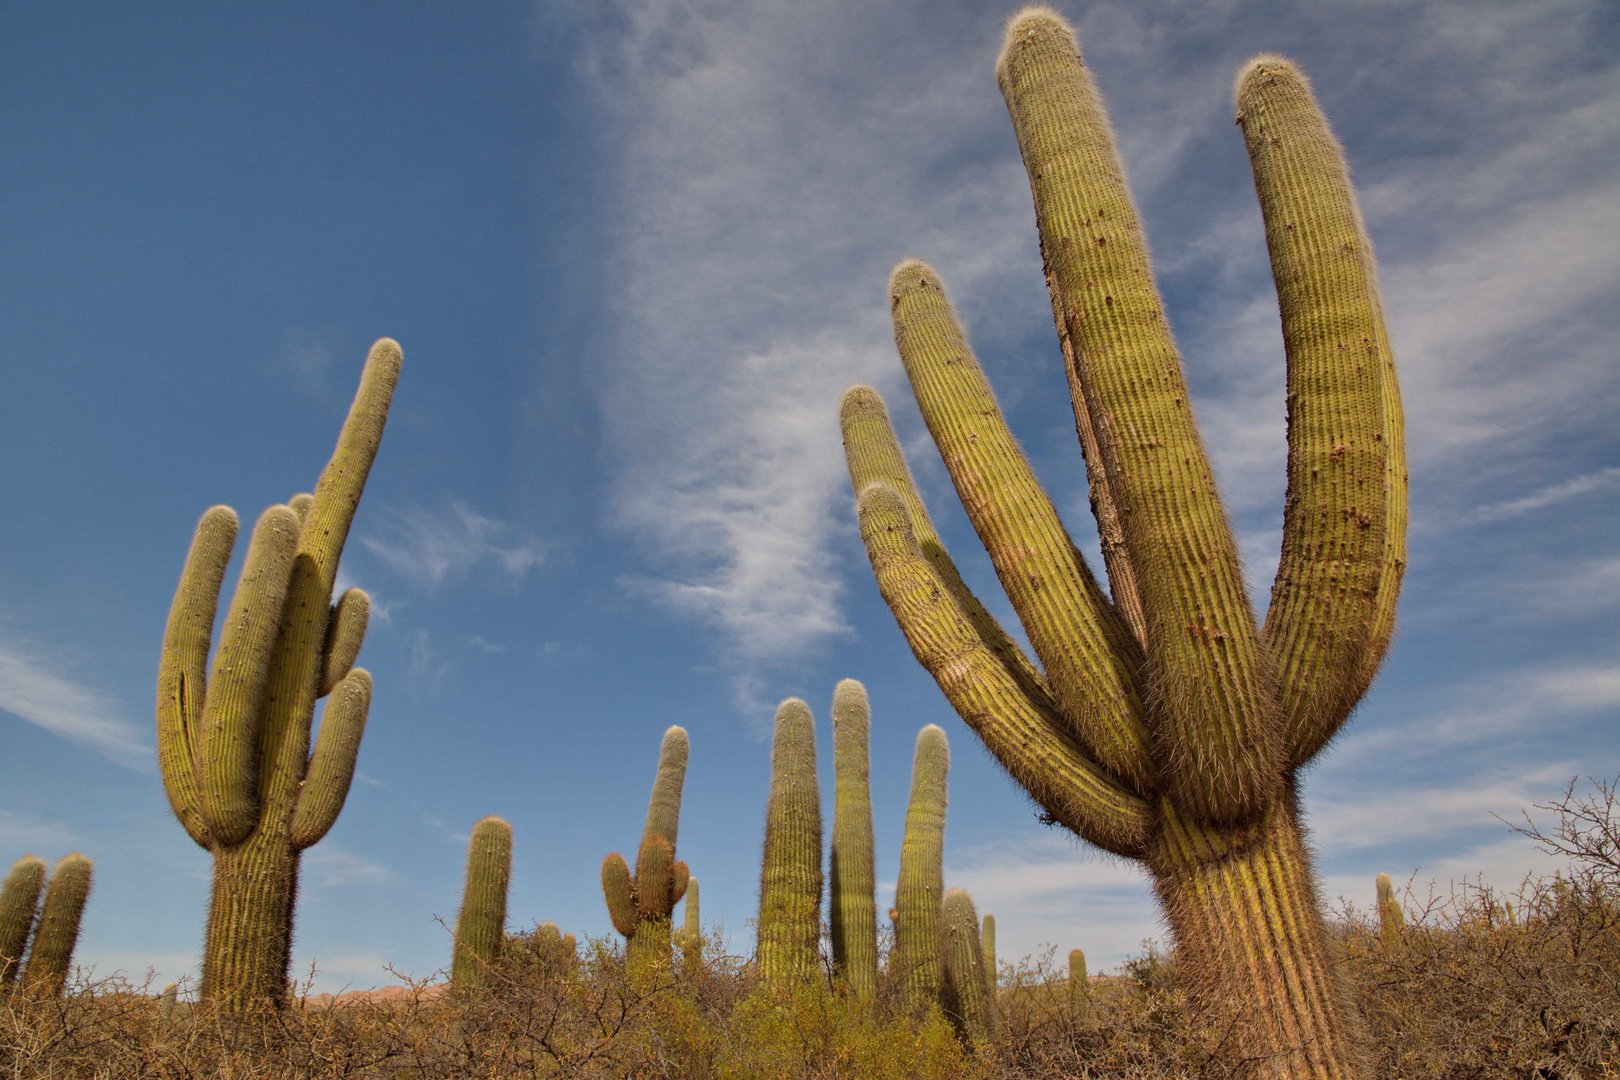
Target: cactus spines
790,878
853,873
640,904
1162,724
481,926
919,893
1391,917
234,743
987,936
57,932
19,907
966,992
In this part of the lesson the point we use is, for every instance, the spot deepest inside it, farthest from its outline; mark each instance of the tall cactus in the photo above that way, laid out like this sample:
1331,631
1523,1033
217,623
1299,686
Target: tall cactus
790,878
57,932
481,926
640,904
965,992
1079,985
1162,724
1391,917
234,745
853,886
19,907
690,936
921,887
987,936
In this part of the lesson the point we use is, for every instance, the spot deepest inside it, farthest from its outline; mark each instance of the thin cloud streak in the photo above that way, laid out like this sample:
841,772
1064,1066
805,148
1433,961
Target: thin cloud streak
429,547
36,690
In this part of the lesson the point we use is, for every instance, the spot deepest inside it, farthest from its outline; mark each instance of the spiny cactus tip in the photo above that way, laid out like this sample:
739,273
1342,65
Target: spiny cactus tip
849,686
1265,63
909,274
1029,22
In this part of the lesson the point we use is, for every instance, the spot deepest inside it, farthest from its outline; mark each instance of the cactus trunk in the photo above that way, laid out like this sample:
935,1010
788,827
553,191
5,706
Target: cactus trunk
640,904
987,936
920,890
1390,916
57,933
19,907
790,878
852,870
966,996
481,926
247,953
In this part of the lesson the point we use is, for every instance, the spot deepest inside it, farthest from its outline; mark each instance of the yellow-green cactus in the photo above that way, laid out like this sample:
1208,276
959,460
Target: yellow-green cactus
1391,917
57,932
481,926
1079,985
1157,719
640,904
920,890
234,743
19,907
853,901
987,936
966,990
790,878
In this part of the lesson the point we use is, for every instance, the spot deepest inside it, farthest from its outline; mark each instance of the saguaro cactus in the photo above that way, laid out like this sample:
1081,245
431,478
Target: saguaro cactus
965,992
1079,985
57,933
234,745
988,937
1390,915
19,906
920,890
640,905
481,926
854,877
1162,723
790,878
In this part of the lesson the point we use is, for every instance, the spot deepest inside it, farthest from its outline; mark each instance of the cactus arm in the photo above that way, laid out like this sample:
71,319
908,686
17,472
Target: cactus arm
664,806
481,925
790,874
655,869
680,875
620,892
331,766
852,891
692,914
227,749
1025,734
57,933
183,667
919,890
345,633
300,504
19,906
1090,657
1324,620
1216,720
874,456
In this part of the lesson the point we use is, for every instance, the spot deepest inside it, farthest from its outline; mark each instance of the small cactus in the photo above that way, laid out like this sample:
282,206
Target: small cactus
790,879
640,904
1079,985
19,906
481,926
988,936
966,991
920,890
854,879
57,933
690,936
1390,915
166,1001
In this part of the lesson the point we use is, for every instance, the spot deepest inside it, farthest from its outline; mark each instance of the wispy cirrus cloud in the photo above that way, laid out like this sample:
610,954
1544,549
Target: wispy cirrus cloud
331,866
429,547
39,689
1607,479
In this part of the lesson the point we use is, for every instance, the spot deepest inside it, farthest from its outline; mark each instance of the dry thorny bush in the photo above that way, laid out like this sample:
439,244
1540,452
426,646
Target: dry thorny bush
1478,984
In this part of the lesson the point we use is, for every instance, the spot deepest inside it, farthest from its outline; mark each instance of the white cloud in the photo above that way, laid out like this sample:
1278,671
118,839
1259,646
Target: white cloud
330,866
1551,495
430,546
26,832
36,689
425,668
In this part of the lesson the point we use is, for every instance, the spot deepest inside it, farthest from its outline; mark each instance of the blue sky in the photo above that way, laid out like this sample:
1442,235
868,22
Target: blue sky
634,252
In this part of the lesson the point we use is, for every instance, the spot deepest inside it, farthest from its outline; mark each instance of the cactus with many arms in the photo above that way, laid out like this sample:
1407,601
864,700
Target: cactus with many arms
988,937
1162,724
853,886
790,877
919,892
966,990
640,904
19,907
234,745
57,932
481,926
1390,915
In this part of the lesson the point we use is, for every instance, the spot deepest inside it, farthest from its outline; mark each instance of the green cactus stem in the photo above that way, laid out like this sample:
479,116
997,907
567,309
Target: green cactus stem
166,1001
790,878
1158,719
234,743
640,904
481,926
1079,985
987,935
1391,917
919,893
690,936
57,932
854,877
19,907
965,992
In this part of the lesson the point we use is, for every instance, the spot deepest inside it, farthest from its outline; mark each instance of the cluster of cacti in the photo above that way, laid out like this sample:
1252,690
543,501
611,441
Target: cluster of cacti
1391,917
852,867
640,904
1162,723
920,891
966,991
790,876
481,925
45,933
234,743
